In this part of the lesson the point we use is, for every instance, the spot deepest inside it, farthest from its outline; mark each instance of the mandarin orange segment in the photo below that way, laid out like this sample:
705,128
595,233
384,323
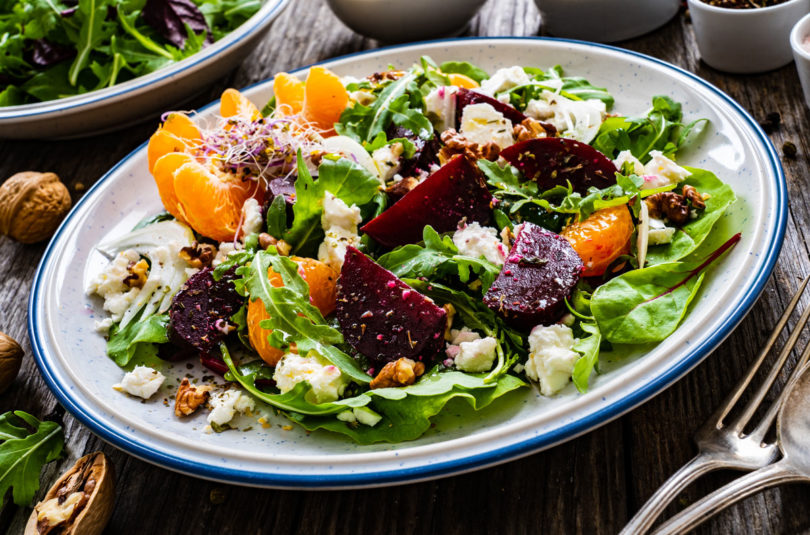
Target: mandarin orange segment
256,313
289,92
235,104
183,127
163,172
462,80
212,201
325,98
601,238
161,143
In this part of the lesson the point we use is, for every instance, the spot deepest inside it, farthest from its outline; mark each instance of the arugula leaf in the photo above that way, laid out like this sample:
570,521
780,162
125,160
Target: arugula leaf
646,305
92,33
26,445
589,349
277,217
466,68
138,340
692,234
292,314
573,87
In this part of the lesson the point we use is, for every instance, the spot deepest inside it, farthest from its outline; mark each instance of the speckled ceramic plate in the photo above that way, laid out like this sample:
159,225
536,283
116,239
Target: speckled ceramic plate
72,359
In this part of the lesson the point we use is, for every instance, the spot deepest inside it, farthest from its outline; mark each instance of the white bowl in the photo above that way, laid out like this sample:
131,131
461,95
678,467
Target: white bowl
140,98
396,21
606,21
745,40
801,54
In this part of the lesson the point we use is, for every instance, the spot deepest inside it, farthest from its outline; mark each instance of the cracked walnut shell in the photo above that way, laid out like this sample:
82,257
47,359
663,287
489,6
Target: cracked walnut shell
11,355
32,205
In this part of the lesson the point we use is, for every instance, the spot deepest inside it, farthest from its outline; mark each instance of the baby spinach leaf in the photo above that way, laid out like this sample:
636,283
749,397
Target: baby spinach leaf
589,349
26,445
347,180
138,340
292,314
646,305
691,235
466,68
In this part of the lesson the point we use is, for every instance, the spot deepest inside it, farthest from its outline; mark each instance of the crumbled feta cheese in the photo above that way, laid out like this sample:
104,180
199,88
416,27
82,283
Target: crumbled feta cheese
477,241
626,156
661,171
143,382
551,357
103,326
225,249
325,378
339,223
225,404
465,334
251,217
476,355
659,232
504,79
440,107
109,284
481,123
575,119
387,159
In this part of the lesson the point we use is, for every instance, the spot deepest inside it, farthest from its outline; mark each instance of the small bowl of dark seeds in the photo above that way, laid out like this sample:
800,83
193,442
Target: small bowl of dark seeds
745,36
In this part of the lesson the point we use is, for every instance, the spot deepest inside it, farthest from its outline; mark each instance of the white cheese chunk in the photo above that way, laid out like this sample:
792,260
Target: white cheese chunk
440,107
387,159
325,378
225,250
143,382
225,404
626,156
476,355
661,171
480,242
109,284
575,119
251,217
659,232
481,123
504,79
339,222
551,357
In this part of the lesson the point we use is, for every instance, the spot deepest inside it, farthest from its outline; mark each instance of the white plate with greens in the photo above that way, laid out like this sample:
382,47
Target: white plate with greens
72,359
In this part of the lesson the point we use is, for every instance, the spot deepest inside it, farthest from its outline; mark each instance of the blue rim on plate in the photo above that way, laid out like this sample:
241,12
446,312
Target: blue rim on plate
268,11
472,462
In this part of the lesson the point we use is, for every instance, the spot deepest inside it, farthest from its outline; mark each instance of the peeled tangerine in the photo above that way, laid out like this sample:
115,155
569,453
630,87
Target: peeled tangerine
322,281
601,238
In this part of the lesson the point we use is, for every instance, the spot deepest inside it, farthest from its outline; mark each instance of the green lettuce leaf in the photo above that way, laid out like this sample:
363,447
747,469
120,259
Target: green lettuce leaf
588,347
466,68
138,341
26,445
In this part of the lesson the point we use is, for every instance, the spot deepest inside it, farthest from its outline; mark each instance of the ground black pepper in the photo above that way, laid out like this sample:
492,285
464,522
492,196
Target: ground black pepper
743,4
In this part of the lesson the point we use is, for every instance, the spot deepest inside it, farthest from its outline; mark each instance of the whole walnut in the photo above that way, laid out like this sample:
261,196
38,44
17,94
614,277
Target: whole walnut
11,355
32,205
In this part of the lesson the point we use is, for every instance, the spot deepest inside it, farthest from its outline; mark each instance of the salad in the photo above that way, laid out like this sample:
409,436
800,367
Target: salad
51,49
360,252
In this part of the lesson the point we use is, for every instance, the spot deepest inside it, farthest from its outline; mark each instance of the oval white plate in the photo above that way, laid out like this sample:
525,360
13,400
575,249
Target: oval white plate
72,359
115,107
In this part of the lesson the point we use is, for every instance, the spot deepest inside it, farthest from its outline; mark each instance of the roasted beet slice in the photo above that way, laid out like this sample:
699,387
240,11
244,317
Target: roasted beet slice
382,317
427,151
200,314
540,272
555,161
465,97
455,191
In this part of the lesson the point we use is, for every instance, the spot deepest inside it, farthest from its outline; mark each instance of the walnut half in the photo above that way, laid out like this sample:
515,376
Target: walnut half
456,143
189,398
670,205
401,372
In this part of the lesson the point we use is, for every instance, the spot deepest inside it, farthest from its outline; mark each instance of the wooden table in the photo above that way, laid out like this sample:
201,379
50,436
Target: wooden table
589,485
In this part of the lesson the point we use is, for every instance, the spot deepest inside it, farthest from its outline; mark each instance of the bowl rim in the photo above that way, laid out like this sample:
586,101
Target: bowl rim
269,10
801,27
478,460
700,4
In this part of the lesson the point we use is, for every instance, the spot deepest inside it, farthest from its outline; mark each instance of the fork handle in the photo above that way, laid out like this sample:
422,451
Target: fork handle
742,487
650,511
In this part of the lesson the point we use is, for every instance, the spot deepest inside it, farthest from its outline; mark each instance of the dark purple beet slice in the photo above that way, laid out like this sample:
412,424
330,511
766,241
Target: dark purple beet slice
427,151
200,314
455,191
555,161
465,97
539,274
382,317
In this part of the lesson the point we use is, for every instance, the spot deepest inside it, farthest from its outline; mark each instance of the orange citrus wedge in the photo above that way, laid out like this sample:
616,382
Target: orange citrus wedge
325,98
289,92
601,238
235,104
462,80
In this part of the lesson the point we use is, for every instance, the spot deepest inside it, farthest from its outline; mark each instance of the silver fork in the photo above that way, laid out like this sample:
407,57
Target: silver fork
724,444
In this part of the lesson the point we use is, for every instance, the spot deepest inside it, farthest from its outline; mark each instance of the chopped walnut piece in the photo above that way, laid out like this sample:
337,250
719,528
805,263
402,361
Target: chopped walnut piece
451,313
402,372
283,248
455,143
378,77
198,255
529,129
694,196
669,205
401,187
266,240
189,398
137,274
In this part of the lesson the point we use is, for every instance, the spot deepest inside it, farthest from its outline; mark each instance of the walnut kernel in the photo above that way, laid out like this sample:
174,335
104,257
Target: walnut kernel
402,372
189,398
32,205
